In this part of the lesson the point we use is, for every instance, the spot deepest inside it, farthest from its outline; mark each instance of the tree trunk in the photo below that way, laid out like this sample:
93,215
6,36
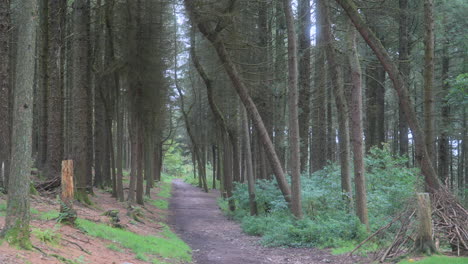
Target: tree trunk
444,155
81,98
18,216
336,77
68,214
429,78
424,162
55,64
318,149
139,164
242,91
5,92
248,163
356,129
424,243
404,66
294,140
227,171
119,159
304,79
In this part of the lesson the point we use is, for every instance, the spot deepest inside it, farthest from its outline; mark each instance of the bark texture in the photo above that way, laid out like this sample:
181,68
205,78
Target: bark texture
356,129
5,88
81,98
18,216
294,140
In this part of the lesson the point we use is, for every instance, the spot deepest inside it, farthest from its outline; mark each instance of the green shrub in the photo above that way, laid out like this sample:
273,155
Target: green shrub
328,221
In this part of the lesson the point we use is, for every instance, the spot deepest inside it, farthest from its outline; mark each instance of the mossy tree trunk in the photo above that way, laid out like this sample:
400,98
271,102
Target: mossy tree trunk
18,216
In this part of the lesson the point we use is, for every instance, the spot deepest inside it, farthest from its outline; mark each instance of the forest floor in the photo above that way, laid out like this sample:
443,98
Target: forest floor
92,241
214,239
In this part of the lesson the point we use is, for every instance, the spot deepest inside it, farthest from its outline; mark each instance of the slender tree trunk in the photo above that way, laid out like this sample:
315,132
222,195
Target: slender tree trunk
18,216
139,164
227,171
119,159
422,158
429,77
248,162
81,98
336,77
5,91
444,156
304,79
294,140
319,125
55,64
356,129
404,66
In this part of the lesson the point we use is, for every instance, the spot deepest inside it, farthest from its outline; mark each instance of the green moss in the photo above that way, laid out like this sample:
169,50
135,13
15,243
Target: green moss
168,246
49,236
18,235
49,215
32,189
114,247
437,260
83,197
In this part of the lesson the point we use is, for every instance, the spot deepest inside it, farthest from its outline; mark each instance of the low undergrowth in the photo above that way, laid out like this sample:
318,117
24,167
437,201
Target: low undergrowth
145,248
437,260
329,221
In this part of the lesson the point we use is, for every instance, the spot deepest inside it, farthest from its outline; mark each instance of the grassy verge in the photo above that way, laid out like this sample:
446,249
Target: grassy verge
146,248
437,260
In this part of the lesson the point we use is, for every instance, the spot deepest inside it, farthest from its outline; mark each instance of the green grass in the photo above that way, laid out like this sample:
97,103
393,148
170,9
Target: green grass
49,236
168,246
437,260
3,208
160,203
49,215
114,247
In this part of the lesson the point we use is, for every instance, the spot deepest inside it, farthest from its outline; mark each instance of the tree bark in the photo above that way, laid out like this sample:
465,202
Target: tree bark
356,129
81,98
294,140
5,92
304,79
66,197
404,67
422,158
336,77
319,121
56,18
429,78
18,216
248,162
424,243
444,155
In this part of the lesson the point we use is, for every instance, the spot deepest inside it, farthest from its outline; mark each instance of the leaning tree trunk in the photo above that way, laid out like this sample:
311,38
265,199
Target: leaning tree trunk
422,158
356,129
5,88
242,91
18,216
248,162
294,145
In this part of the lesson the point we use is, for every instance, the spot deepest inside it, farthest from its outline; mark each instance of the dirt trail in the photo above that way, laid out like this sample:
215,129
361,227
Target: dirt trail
215,239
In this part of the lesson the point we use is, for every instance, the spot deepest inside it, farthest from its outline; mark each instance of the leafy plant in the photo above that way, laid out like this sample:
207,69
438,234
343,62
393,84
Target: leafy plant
49,236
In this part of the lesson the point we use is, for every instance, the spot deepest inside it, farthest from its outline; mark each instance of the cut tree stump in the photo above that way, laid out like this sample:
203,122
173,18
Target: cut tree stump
67,213
424,243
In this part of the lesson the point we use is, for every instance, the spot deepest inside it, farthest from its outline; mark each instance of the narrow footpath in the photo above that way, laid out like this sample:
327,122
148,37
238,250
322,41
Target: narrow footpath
214,239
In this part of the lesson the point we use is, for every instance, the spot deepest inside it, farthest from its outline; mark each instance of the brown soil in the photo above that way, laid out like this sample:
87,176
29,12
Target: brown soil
215,239
76,245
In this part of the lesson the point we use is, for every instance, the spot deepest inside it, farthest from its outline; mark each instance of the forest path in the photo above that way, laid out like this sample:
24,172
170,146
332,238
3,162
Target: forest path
196,218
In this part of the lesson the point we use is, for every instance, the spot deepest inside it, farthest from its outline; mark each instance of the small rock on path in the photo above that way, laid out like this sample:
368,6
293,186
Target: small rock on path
214,239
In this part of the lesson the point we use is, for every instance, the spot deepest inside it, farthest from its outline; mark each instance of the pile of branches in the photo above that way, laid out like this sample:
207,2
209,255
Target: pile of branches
450,227
450,221
48,186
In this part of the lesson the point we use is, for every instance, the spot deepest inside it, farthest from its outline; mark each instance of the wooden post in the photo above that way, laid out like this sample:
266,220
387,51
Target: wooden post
67,214
424,243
